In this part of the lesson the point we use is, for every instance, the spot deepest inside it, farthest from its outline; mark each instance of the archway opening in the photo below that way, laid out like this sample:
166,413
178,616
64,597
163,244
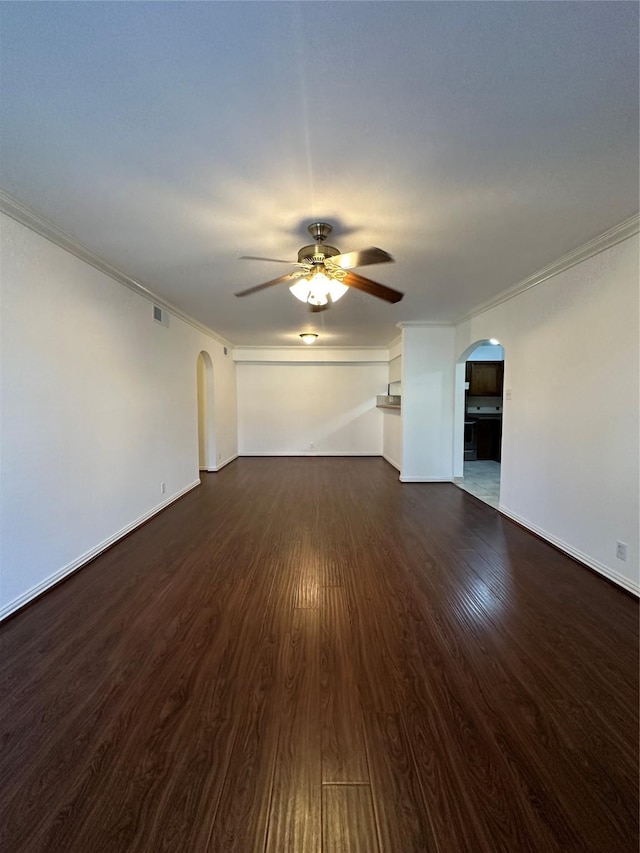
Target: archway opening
206,433
479,401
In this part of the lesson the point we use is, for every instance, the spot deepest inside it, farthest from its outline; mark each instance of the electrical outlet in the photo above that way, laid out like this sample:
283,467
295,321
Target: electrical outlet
163,488
310,445
507,394
621,550
219,456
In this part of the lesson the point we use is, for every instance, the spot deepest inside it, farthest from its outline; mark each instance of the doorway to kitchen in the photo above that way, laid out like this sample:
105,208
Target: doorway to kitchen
480,374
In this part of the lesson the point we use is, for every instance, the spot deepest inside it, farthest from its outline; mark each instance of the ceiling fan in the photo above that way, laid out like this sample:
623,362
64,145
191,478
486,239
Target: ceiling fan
325,274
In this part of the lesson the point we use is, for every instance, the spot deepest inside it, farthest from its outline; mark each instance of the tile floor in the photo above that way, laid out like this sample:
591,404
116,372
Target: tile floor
482,479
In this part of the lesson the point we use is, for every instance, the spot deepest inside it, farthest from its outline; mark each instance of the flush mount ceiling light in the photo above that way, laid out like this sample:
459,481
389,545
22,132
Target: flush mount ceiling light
308,337
324,273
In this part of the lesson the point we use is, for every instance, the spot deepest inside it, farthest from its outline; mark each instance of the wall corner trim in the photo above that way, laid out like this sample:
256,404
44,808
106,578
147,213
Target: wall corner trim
629,228
83,559
22,214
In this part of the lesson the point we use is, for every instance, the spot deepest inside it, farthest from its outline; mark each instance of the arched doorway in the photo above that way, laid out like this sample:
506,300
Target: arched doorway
478,420
206,433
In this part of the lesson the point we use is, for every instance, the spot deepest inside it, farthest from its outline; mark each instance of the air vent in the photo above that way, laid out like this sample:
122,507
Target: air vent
160,315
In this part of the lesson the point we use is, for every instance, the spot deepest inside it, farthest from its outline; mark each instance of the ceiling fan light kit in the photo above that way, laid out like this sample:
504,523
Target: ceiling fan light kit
319,289
324,273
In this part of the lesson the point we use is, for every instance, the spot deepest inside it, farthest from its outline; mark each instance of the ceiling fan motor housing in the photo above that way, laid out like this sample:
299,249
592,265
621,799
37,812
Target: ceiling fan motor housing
316,254
319,231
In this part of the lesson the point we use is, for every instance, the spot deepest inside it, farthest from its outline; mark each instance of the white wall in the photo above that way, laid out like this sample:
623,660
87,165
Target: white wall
392,420
203,414
99,407
395,369
324,408
427,403
570,468
392,437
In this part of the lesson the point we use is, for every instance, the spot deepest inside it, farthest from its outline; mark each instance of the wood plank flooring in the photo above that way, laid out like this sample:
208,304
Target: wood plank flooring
306,656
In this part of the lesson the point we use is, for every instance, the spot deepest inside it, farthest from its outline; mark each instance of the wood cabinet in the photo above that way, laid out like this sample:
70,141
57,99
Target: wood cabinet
485,378
489,438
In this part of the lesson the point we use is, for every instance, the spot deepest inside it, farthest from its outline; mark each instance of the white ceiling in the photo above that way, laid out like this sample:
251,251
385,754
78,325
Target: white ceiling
476,142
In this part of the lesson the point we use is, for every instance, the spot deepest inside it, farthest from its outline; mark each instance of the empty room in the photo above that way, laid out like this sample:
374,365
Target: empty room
319,420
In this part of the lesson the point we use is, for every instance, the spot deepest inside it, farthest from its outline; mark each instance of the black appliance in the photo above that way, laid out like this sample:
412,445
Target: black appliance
470,439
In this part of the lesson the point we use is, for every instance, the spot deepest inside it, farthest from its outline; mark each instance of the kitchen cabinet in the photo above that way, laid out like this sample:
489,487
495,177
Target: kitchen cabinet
488,438
485,378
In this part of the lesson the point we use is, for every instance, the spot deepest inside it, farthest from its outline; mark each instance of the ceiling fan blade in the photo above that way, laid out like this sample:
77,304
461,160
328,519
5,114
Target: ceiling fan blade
352,279
266,284
256,258
362,258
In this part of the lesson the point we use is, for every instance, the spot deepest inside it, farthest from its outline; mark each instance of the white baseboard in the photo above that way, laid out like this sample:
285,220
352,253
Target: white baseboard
226,461
391,462
609,573
425,479
296,453
79,562
220,465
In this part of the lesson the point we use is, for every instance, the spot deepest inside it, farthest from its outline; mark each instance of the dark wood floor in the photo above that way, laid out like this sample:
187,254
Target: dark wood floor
306,655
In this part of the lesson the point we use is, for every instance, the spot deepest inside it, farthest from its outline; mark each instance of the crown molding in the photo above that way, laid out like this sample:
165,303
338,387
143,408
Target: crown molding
403,324
310,355
618,234
27,217
311,347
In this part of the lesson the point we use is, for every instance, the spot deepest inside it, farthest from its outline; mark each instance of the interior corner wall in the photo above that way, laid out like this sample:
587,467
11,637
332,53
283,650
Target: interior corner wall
225,406
392,420
427,403
395,369
308,409
98,408
570,457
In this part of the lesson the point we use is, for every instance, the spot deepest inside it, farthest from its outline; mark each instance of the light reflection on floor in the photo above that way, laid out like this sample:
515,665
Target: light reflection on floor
482,479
